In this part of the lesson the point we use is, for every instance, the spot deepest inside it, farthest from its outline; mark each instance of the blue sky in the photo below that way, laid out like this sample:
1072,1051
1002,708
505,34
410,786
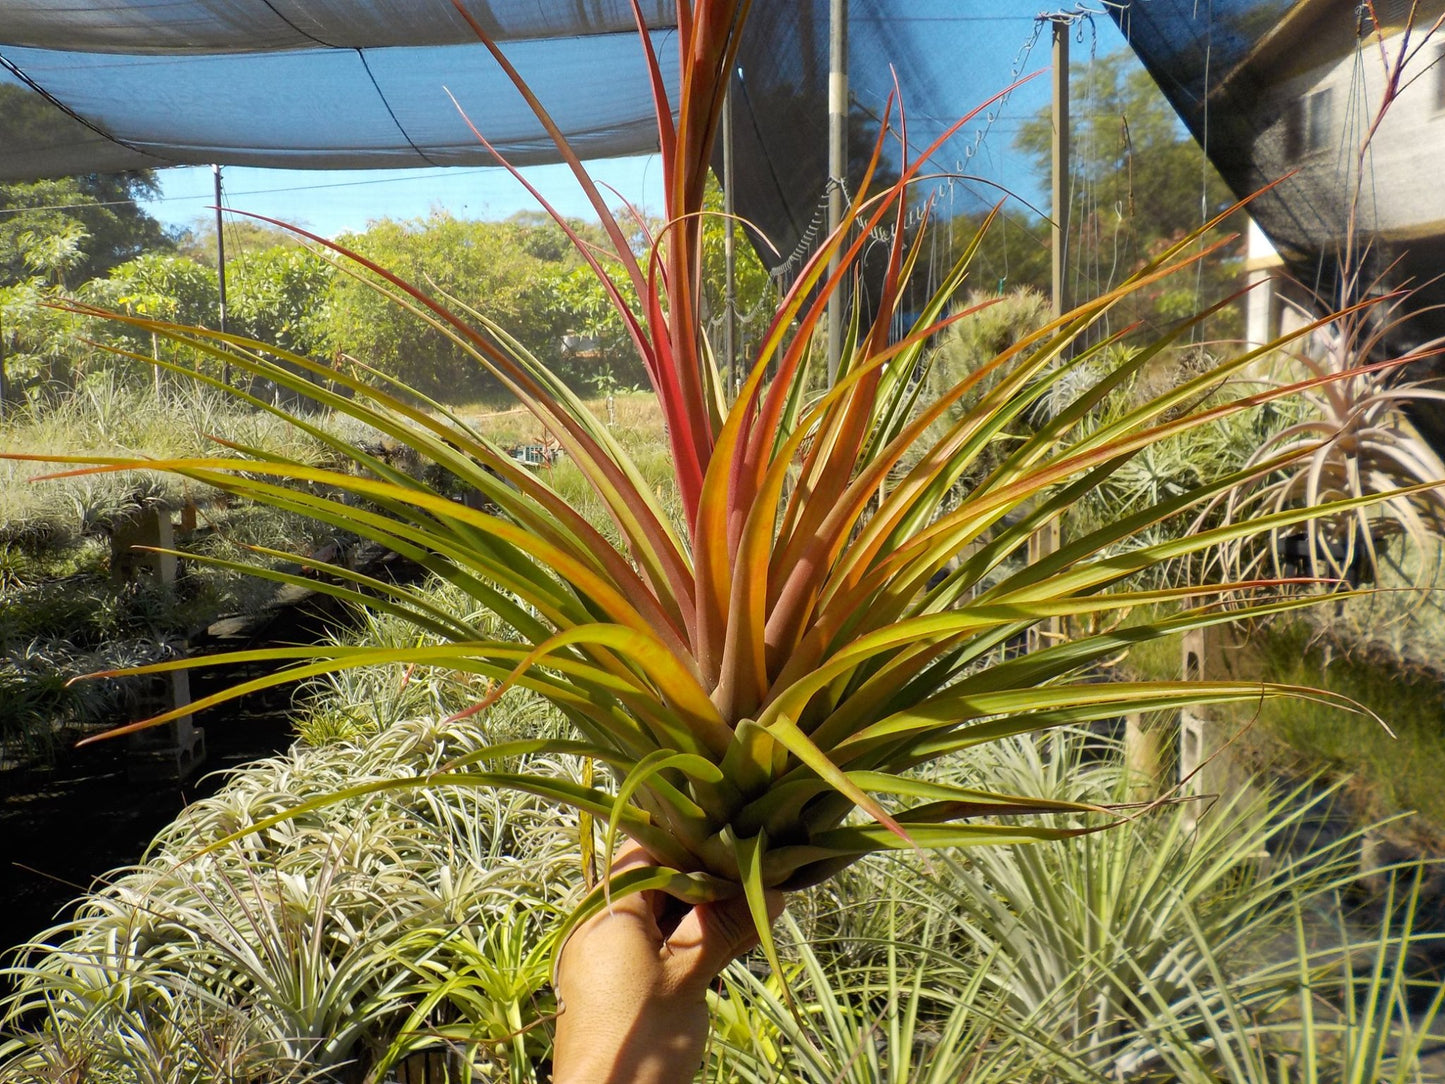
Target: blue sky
330,202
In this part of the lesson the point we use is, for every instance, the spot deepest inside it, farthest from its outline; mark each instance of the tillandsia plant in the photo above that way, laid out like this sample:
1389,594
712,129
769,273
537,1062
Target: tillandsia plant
1354,438
764,678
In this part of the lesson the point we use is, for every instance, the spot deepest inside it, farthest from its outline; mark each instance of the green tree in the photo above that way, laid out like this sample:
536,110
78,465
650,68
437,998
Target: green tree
596,352
752,283
242,235
38,347
274,296
1140,183
485,265
1013,253
158,286
37,342
103,205
590,318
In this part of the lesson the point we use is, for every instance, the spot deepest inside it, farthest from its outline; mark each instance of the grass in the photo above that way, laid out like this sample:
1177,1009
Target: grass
61,616
56,530
360,703
398,924
1156,952
1392,774
372,930
61,527
1389,774
635,421
105,415
1404,617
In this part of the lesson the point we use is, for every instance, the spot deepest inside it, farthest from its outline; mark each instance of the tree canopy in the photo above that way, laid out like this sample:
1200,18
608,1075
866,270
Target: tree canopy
1139,183
104,206
492,267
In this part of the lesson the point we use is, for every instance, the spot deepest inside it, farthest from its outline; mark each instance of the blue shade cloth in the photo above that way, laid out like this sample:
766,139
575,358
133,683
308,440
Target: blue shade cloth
132,84
343,108
135,84
249,26
942,59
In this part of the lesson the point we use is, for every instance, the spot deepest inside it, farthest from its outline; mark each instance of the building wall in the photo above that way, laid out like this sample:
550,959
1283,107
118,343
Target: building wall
1328,96
1276,304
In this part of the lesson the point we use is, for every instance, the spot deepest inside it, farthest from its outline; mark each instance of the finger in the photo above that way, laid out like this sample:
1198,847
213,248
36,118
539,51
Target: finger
711,936
628,855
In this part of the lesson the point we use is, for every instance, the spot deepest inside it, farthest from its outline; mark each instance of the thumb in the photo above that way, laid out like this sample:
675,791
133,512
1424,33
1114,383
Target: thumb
710,937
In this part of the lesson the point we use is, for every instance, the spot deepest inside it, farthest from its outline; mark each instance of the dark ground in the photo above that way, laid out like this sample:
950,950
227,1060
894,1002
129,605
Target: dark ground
62,827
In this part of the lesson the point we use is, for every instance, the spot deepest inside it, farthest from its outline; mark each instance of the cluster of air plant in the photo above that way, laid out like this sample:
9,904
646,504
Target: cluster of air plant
324,948
1354,448
1176,947
361,938
1352,440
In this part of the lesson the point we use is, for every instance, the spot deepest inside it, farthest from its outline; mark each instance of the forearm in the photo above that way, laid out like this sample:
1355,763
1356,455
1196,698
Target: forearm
662,1043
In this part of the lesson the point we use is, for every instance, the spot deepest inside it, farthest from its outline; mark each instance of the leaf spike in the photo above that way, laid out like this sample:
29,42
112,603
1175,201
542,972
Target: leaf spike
564,148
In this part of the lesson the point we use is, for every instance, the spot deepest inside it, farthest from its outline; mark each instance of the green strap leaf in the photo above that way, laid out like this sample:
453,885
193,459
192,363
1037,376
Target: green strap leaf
658,761
750,856
701,729
842,846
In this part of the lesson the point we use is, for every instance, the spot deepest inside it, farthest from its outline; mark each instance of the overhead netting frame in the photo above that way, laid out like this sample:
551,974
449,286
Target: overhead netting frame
134,84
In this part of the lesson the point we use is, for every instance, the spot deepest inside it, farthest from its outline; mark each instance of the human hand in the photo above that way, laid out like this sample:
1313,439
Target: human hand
632,984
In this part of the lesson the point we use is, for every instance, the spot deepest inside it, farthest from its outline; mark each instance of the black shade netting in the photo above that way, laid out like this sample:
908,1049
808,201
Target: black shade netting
1293,95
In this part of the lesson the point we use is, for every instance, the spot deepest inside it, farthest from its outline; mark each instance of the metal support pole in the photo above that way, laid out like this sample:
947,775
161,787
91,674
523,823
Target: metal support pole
1062,302
837,164
221,266
3,389
1046,539
730,327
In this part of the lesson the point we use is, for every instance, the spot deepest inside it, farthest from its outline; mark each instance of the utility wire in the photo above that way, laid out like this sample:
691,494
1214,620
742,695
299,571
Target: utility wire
460,172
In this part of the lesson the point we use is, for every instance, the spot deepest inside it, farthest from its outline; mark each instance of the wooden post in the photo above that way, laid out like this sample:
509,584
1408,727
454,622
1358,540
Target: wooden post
1060,165
837,165
170,752
1196,742
146,527
221,268
1045,540
1143,746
